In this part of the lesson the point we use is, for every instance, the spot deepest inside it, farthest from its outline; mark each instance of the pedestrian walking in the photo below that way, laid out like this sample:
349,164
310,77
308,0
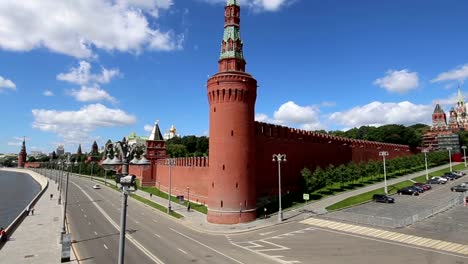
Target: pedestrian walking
151,195
51,196
188,207
27,211
3,235
32,211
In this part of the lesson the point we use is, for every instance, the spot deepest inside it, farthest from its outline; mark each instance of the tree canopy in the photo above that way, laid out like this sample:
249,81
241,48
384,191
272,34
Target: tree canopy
397,134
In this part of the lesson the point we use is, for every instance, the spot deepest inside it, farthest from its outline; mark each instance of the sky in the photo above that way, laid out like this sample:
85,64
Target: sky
75,71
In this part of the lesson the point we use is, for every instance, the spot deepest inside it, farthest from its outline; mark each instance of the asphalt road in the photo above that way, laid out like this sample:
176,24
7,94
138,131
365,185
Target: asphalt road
153,237
94,217
301,243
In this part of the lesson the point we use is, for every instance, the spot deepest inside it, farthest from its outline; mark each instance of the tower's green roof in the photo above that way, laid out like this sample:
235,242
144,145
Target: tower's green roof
233,33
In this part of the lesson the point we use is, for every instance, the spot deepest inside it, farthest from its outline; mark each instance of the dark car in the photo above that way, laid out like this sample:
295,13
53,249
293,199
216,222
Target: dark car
450,176
410,190
426,187
460,188
418,188
383,198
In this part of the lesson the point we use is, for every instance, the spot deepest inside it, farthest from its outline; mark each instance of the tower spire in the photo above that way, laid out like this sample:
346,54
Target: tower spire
460,96
232,56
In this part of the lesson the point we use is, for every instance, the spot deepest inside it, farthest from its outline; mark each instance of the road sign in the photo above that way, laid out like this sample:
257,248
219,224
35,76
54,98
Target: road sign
306,196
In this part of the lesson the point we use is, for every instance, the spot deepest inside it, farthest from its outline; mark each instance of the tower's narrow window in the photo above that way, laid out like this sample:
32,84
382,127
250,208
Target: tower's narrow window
232,133
221,203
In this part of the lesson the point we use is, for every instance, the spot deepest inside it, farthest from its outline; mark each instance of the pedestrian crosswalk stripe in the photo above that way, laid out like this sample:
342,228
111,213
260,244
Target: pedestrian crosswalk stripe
389,235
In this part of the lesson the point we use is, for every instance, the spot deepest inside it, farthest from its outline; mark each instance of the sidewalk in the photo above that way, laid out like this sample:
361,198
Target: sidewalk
198,221
37,238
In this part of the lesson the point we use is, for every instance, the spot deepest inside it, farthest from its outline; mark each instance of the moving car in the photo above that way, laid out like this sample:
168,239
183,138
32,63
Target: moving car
96,186
383,198
460,188
411,190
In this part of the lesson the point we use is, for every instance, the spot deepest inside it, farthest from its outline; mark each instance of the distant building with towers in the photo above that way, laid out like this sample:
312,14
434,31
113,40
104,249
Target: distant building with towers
443,134
172,133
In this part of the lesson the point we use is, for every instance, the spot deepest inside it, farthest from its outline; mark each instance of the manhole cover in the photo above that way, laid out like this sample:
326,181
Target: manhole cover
28,256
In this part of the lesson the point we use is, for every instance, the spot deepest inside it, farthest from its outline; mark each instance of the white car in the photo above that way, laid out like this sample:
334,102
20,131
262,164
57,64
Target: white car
441,179
96,186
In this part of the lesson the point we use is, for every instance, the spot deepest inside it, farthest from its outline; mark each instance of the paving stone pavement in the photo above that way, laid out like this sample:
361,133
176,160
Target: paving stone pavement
37,238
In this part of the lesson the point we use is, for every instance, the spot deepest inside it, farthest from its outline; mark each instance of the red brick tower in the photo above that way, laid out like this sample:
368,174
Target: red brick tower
231,95
22,155
155,145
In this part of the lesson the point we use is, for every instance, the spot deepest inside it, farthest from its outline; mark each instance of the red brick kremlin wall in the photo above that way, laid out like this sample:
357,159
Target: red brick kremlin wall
302,148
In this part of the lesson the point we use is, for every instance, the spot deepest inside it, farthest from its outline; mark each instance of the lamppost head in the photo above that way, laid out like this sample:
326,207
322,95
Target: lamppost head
463,147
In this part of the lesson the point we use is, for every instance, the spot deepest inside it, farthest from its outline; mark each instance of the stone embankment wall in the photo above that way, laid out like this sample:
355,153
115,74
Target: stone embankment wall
43,182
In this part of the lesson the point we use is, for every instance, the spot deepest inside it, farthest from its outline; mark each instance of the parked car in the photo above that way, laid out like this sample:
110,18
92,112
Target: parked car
383,198
434,181
96,186
419,188
441,180
460,188
426,187
411,190
459,173
450,176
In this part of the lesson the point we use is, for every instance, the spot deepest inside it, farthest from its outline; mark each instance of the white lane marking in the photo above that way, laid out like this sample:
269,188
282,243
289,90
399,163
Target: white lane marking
137,222
267,233
105,246
85,216
182,251
154,220
81,209
95,233
157,235
200,243
89,223
129,237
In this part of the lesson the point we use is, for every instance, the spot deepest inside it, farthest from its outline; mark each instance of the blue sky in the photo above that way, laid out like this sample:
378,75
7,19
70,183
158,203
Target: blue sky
76,71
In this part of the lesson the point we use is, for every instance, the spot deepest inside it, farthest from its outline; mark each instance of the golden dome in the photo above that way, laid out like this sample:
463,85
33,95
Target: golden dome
172,129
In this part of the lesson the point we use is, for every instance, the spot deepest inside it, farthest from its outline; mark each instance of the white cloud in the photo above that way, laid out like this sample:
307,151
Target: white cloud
82,74
398,81
148,128
92,94
378,113
459,74
78,28
75,126
48,93
291,114
7,84
259,5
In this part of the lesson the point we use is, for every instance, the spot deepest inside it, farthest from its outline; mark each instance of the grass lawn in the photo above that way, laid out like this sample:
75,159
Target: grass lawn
155,205
155,191
365,197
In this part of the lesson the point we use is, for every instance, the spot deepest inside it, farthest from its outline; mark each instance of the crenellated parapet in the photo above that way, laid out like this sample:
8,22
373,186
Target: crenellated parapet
227,87
187,162
287,133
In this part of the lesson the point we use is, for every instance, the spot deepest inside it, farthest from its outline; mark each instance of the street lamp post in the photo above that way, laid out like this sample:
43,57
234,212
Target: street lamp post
122,155
69,166
425,151
170,162
188,198
450,157
464,154
384,154
279,158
